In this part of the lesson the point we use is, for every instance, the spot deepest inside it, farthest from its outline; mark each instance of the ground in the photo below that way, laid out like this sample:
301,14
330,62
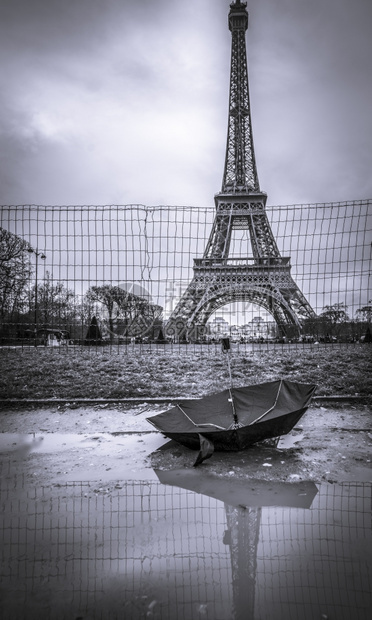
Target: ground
184,371
110,444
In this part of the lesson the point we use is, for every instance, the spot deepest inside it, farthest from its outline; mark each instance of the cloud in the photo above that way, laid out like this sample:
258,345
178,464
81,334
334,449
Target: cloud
112,85
311,77
125,101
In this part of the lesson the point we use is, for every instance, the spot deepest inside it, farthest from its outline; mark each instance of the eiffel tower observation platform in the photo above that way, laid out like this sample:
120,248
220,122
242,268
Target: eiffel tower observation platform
264,277
259,265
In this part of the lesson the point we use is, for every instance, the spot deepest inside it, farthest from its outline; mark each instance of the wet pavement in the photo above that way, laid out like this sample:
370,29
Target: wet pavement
119,525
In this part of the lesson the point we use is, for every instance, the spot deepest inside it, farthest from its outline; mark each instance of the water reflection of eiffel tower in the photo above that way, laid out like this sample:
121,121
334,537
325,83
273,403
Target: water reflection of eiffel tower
265,277
244,500
242,536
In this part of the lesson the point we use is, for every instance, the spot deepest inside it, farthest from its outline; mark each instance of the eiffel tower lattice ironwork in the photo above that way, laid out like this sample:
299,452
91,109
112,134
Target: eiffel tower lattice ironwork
265,277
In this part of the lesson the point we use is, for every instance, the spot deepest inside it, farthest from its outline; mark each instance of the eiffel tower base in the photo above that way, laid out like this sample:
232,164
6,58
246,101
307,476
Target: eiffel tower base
266,282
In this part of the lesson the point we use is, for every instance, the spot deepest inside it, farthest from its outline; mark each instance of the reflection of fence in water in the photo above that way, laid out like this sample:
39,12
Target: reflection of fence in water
119,551
154,247
126,550
324,558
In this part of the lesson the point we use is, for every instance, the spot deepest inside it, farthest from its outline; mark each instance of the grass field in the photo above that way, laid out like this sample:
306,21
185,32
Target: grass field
69,373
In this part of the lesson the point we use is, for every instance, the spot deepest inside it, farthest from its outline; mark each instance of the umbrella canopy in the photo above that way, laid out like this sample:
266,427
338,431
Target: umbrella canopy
237,417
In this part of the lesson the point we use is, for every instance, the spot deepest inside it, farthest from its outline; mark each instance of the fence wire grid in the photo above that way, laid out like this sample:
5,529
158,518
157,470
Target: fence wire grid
142,550
114,274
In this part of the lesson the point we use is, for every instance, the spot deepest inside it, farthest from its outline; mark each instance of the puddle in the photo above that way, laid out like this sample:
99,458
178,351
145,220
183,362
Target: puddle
83,457
152,550
60,442
290,441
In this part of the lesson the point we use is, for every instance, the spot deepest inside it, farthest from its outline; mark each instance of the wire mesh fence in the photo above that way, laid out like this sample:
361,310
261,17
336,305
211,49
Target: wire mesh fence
142,549
114,275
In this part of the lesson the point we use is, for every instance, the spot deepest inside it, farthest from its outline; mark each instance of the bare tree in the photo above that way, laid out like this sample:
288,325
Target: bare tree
55,303
334,316
365,313
15,274
108,302
12,247
124,313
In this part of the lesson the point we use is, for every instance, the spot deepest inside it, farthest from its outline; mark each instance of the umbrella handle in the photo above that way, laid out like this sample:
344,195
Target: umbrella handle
229,367
225,345
235,415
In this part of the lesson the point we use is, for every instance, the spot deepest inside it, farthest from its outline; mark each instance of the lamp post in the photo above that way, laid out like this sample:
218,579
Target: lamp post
43,257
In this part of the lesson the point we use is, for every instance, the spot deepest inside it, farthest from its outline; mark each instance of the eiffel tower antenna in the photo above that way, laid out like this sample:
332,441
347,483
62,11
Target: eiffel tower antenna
240,172
262,278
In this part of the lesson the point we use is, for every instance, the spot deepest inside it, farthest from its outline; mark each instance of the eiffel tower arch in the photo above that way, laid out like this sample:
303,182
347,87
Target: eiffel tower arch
263,276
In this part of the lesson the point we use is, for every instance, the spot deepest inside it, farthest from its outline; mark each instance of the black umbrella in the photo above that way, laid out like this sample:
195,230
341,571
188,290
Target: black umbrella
235,418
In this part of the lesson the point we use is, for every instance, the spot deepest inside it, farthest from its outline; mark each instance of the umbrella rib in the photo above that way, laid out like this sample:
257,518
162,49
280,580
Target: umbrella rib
271,408
203,423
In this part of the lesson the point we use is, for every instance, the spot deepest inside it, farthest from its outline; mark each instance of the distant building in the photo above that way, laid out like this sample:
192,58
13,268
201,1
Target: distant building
257,329
219,326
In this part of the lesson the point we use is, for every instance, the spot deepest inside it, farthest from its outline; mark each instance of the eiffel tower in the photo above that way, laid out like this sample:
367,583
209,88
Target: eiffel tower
264,278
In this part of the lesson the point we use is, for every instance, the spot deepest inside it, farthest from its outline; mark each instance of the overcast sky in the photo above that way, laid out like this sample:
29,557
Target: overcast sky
125,101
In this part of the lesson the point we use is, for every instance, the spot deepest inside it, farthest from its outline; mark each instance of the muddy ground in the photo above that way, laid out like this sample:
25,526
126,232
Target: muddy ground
104,443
